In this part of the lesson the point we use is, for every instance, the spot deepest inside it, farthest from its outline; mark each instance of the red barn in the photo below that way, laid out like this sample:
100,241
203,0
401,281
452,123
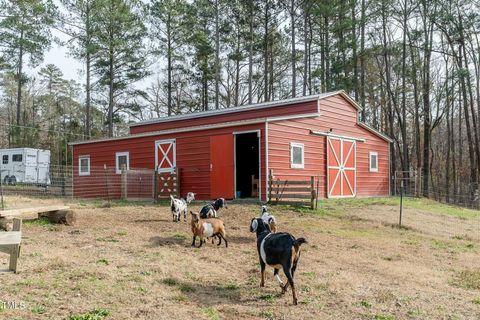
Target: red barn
221,152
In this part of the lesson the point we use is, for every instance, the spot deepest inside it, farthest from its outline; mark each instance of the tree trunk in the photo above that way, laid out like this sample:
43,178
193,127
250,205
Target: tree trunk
265,51
362,59
306,12
294,68
390,96
217,57
354,50
250,55
87,80
406,162
169,65
110,89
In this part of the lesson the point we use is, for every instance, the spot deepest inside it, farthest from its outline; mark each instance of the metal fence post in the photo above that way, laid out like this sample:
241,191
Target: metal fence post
106,182
1,188
270,185
155,185
312,192
401,205
123,182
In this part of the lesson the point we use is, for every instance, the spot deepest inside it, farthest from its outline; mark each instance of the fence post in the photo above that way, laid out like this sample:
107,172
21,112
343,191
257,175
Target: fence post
270,185
106,182
401,205
123,183
312,193
155,185
1,188
177,181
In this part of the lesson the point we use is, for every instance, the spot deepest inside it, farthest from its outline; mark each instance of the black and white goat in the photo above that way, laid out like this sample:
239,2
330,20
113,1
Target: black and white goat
180,205
277,250
210,210
269,219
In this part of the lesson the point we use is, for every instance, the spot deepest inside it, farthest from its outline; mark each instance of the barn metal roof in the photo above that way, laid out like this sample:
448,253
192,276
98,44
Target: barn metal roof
243,108
233,123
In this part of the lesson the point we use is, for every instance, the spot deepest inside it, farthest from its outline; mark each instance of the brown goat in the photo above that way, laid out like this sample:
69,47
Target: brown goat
205,228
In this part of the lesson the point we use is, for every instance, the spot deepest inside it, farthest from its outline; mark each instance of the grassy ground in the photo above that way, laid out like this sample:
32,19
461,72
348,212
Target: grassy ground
130,261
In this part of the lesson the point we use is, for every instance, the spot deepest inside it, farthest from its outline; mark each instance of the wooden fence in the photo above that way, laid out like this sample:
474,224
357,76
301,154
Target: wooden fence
149,184
302,192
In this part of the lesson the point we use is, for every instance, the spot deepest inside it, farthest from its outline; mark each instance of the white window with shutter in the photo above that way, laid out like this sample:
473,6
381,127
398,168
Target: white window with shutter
297,158
122,159
373,156
84,165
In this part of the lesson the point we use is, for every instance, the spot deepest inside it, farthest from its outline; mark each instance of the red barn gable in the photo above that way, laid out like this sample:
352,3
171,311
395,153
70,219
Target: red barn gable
224,153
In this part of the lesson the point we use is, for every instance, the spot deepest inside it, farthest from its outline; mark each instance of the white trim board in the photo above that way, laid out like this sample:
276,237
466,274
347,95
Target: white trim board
259,139
328,134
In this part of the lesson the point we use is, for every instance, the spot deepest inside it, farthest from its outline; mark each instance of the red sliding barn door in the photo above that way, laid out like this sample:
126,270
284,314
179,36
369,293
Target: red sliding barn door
341,167
221,166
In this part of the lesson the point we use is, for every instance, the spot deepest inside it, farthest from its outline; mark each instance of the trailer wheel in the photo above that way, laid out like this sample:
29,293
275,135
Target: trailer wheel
6,180
13,180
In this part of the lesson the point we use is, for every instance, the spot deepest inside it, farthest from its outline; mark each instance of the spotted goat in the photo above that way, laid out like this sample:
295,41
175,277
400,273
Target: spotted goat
269,219
277,250
180,205
205,228
210,210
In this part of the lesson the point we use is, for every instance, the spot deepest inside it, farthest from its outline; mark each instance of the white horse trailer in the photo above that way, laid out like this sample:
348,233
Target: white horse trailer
25,165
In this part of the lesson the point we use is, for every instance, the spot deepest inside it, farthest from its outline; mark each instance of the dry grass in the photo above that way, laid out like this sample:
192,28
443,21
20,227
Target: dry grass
132,262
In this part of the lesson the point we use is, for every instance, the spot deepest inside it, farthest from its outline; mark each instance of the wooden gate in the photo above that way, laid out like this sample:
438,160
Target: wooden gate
341,167
166,184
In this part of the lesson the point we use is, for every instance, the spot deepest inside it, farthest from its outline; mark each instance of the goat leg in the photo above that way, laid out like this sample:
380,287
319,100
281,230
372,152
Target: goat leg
280,282
262,271
193,243
201,242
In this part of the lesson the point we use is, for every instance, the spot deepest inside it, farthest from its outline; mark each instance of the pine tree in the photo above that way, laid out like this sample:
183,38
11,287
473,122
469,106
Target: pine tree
118,39
24,33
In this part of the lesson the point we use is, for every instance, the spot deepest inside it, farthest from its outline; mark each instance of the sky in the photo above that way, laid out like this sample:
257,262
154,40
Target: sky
58,55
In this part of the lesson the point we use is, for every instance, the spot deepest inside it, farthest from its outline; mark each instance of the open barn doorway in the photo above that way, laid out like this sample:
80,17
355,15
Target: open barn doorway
247,164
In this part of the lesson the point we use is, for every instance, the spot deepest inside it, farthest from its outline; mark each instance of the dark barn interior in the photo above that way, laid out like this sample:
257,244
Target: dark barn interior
247,164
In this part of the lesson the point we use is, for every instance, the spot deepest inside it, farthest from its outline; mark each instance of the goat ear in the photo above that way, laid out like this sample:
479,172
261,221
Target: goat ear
253,225
191,212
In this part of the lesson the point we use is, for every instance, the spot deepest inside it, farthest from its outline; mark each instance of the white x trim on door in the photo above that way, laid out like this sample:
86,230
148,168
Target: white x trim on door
163,162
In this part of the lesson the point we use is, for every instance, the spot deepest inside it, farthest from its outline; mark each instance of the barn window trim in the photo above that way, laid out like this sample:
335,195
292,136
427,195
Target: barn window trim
373,165
300,165
5,159
118,170
80,171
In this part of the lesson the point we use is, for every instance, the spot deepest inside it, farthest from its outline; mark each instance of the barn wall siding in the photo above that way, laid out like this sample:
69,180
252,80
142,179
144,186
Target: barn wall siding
293,109
336,113
192,153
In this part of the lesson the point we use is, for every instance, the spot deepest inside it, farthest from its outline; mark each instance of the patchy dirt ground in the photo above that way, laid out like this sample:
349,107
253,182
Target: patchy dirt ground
137,264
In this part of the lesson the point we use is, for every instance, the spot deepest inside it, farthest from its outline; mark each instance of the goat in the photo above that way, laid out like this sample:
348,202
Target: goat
210,210
180,205
204,228
277,250
269,219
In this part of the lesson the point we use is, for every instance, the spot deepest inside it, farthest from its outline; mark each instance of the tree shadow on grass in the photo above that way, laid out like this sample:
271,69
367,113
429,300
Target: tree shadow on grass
151,220
178,240
240,239
204,294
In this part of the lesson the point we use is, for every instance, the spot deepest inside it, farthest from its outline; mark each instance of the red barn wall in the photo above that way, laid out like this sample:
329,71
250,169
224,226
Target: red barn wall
336,113
278,111
193,158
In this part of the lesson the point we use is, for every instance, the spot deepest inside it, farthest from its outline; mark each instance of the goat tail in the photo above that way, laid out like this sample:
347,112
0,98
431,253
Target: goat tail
300,241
